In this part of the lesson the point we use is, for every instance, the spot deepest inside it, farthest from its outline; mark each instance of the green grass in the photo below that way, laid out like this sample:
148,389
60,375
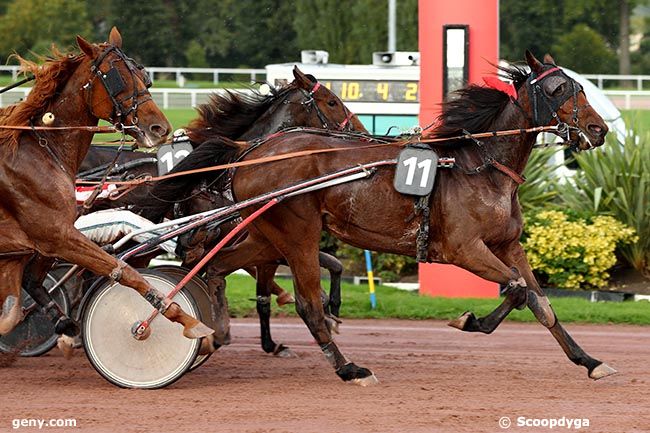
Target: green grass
393,303
637,119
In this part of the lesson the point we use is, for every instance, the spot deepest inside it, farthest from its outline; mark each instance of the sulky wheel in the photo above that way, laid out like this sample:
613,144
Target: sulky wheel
35,334
154,362
199,290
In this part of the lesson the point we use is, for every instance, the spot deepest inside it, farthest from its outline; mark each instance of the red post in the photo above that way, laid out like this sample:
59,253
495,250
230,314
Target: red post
482,18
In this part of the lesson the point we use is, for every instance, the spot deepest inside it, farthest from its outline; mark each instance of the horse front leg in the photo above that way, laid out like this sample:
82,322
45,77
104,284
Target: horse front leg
264,279
541,308
11,272
74,247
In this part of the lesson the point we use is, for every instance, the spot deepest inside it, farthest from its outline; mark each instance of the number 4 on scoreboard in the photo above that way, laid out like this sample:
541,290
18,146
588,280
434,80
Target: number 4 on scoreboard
415,171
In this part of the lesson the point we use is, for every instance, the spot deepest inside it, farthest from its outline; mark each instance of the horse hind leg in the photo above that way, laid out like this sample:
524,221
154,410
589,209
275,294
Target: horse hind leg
333,302
264,277
515,297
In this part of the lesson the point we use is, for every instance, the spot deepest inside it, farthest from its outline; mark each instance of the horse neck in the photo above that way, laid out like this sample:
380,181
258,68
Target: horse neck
277,117
511,151
70,109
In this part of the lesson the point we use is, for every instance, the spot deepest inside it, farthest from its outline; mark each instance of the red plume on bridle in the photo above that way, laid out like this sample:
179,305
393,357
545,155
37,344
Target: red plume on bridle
501,86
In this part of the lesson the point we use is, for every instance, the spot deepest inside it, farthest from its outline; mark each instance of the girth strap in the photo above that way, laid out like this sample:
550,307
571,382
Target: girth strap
422,240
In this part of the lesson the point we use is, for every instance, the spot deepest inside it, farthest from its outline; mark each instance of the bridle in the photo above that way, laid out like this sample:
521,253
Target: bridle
310,103
114,84
545,108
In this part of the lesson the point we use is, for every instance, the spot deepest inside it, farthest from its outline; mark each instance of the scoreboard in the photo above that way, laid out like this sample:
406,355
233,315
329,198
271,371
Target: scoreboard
382,96
374,91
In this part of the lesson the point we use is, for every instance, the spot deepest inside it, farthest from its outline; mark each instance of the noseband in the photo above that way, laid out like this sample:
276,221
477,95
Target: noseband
114,84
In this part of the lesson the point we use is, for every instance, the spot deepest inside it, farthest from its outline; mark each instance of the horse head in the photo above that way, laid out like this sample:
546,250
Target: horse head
557,99
117,91
322,102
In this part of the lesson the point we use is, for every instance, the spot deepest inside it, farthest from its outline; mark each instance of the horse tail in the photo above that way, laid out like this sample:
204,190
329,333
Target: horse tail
161,198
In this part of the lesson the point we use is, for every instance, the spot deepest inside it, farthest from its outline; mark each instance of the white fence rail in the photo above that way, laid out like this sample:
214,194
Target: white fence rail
601,78
179,74
189,98
255,74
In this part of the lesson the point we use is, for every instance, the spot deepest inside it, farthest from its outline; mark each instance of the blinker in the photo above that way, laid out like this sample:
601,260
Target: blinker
113,82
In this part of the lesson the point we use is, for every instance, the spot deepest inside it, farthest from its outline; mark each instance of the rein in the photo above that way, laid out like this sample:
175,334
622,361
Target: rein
130,184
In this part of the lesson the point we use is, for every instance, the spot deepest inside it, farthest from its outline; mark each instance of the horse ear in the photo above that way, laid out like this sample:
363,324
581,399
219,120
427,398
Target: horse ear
86,47
535,65
548,59
301,79
115,38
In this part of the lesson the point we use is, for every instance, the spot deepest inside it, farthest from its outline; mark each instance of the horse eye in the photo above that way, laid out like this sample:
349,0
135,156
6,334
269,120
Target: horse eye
558,90
331,103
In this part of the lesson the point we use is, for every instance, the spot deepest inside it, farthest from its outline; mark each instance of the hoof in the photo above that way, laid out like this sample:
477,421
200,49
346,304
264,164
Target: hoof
332,324
198,330
66,346
207,345
284,352
10,315
352,373
603,370
285,298
461,322
366,381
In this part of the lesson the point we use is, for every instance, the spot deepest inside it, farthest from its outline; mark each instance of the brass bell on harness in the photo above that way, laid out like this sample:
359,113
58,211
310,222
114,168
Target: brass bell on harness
48,118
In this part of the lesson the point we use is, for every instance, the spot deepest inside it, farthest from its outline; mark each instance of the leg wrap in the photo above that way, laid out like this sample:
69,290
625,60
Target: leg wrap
333,355
156,300
116,274
263,300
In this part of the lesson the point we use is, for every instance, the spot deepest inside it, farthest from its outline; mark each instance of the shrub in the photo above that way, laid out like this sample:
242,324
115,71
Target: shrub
573,253
615,180
538,190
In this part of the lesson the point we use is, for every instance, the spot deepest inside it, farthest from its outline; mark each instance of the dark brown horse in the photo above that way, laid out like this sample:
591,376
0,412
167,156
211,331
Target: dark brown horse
475,219
37,167
304,102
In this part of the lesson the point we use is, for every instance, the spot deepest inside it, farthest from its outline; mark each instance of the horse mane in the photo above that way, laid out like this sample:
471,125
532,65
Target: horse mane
475,108
50,77
217,151
230,114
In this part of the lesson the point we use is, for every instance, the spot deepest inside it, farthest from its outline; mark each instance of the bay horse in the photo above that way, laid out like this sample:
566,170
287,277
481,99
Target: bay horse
37,167
475,219
303,102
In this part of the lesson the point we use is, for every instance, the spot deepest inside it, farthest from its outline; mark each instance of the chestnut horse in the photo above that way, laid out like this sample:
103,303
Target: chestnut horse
37,167
475,219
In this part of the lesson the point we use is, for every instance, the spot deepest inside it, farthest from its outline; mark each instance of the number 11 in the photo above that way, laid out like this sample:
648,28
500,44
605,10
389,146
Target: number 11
424,165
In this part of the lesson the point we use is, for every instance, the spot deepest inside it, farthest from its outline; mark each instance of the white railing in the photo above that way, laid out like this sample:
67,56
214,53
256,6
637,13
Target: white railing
253,74
178,73
189,98
601,78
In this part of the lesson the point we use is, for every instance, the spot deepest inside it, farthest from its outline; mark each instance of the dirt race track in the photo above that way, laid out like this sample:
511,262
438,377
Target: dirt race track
433,379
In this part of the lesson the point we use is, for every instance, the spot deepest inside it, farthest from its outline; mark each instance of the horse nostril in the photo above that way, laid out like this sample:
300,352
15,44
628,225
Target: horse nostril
596,130
159,130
